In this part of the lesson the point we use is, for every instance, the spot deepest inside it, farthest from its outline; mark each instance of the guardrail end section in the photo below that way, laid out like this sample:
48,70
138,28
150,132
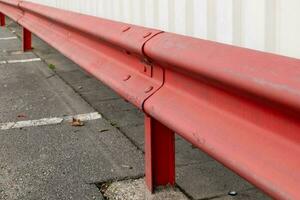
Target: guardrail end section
159,154
26,40
2,19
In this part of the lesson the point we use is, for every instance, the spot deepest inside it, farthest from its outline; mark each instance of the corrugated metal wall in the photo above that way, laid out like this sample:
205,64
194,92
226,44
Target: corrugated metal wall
268,25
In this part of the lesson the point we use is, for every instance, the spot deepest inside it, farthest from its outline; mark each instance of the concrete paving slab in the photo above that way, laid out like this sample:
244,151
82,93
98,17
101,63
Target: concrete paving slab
16,56
64,162
53,57
31,89
251,194
4,32
61,63
187,154
92,90
125,118
75,76
103,94
136,190
208,180
135,134
9,45
89,84
114,105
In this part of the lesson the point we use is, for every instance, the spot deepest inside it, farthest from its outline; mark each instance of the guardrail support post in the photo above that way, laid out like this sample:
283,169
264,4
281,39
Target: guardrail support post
2,19
26,40
159,154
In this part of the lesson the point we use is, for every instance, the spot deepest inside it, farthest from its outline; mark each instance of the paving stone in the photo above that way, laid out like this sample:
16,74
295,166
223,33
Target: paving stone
136,190
61,67
74,77
16,55
32,90
10,23
63,161
135,134
88,85
208,180
53,57
10,45
104,94
81,81
4,32
251,194
113,105
187,154
125,118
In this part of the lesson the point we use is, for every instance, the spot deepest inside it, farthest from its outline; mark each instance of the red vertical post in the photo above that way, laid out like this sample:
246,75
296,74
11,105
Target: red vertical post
26,40
2,19
159,154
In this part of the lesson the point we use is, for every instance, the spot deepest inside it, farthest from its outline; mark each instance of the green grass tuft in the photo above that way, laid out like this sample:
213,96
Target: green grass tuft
51,66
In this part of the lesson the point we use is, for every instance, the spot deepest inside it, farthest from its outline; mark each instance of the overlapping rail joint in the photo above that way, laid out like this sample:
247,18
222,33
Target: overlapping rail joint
238,105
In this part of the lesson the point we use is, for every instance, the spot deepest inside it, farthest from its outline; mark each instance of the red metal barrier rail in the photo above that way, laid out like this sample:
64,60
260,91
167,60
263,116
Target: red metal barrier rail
2,19
240,106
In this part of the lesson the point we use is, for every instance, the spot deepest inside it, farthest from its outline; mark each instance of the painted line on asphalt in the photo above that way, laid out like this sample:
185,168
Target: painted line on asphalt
9,38
24,60
15,52
20,61
49,121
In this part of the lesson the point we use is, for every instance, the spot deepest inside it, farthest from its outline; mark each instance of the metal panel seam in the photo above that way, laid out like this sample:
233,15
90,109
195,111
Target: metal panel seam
15,4
23,12
150,59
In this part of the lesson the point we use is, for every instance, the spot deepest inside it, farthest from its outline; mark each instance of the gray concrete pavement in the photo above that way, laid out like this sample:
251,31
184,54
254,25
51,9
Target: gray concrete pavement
54,161
64,162
32,90
97,157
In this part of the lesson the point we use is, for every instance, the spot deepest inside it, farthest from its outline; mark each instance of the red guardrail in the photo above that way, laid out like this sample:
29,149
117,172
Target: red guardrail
240,106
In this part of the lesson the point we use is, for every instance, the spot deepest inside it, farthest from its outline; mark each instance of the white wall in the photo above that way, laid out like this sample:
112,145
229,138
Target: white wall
268,25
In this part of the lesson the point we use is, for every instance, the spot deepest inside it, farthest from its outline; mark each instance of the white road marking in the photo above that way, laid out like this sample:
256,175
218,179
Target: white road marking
9,38
20,61
49,121
24,60
17,52
14,52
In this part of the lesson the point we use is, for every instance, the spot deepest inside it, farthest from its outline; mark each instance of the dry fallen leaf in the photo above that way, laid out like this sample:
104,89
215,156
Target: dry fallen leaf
77,122
103,130
126,166
21,116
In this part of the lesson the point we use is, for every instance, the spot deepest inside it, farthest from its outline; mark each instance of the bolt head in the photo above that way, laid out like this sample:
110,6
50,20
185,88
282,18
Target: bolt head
126,78
148,89
147,34
232,193
126,29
